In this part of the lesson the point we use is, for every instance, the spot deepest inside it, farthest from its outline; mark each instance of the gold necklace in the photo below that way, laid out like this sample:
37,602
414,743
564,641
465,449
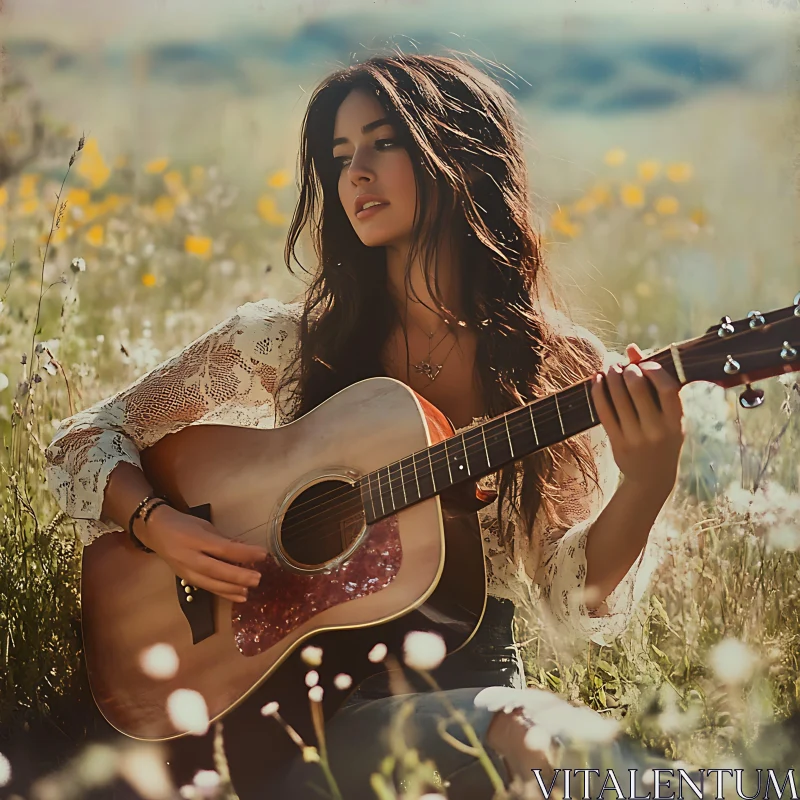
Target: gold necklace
425,365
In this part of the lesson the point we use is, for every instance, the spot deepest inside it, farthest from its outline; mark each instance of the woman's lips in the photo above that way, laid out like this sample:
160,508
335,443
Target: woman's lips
368,212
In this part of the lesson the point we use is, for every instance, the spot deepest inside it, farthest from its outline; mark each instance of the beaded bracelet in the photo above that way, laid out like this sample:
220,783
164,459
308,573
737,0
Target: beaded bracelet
159,501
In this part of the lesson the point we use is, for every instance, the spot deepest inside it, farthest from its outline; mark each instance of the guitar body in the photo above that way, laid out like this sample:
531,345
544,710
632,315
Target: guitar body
330,579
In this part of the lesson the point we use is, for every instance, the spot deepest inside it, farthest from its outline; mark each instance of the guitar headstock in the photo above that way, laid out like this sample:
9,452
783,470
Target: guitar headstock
742,351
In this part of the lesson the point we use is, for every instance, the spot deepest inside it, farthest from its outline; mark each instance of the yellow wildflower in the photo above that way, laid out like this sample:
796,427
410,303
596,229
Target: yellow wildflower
78,197
632,195
156,166
92,165
29,207
198,246
615,157
164,208
268,209
148,280
279,179
27,186
92,211
667,205
561,222
699,217
679,172
600,194
3,195
95,235
173,180
648,170
584,205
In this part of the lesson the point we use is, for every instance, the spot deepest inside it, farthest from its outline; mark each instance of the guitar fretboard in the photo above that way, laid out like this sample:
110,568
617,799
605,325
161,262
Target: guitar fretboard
478,451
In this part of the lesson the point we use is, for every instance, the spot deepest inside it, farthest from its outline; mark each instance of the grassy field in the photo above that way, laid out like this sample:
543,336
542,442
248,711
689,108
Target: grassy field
109,267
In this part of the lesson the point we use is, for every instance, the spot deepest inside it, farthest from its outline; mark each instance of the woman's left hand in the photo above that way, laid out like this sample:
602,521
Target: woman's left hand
641,410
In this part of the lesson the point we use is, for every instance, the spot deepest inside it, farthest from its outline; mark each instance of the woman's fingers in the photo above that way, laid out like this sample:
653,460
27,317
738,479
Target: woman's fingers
220,547
230,591
605,409
642,395
623,404
229,573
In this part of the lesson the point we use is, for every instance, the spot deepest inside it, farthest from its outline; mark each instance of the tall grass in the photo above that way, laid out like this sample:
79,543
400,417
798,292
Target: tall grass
109,267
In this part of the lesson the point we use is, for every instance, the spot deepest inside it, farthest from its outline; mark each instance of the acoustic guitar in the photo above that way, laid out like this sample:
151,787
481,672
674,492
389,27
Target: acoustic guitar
367,506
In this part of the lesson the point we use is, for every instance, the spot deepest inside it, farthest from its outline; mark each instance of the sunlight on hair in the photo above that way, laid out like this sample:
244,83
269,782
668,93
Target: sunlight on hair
159,662
188,711
423,650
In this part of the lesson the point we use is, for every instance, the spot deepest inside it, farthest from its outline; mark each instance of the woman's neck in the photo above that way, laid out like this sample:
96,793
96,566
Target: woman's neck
414,310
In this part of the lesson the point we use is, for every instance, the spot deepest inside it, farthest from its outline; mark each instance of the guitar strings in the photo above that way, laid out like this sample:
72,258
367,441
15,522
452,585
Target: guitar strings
352,496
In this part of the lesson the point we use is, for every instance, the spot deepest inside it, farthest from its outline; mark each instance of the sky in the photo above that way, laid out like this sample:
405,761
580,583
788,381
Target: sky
204,16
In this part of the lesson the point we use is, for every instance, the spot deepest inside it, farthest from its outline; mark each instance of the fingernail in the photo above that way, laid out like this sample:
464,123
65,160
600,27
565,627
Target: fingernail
255,579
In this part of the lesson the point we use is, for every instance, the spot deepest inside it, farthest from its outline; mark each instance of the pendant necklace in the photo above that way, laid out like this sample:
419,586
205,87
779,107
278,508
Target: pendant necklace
425,366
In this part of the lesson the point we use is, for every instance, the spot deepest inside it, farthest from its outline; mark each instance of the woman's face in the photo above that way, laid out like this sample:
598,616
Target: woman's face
373,166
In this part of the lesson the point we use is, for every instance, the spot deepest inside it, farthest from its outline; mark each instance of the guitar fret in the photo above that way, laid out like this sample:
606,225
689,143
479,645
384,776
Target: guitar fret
403,483
589,401
466,455
533,425
380,495
485,447
447,459
391,491
433,478
508,435
416,477
558,411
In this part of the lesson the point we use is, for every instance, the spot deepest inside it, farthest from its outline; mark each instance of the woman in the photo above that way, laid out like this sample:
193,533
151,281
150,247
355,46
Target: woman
414,190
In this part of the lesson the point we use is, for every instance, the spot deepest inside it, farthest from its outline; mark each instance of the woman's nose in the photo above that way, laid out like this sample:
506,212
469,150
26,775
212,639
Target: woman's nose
360,168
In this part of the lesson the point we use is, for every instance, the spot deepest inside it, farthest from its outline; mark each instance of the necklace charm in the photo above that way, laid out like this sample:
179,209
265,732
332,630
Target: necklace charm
430,371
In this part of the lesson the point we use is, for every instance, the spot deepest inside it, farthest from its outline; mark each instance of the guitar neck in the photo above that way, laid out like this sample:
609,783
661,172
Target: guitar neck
486,448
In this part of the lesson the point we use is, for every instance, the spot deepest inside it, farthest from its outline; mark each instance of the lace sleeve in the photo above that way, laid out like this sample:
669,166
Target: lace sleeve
560,569
227,376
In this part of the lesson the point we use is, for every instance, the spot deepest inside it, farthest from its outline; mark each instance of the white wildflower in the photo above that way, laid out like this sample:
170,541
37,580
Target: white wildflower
3,381
311,655
315,694
784,537
144,769
342,681
97,765
188,711
78,264
423,650
5,771
159,662
733,661
378,653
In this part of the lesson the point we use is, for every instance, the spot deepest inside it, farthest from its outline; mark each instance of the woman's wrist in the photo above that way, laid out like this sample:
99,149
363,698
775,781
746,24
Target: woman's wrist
140,528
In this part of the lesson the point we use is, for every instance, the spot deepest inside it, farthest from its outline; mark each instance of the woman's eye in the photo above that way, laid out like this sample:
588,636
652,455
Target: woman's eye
380,144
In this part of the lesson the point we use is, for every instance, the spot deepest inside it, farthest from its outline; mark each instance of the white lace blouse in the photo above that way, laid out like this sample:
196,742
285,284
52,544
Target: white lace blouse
229,376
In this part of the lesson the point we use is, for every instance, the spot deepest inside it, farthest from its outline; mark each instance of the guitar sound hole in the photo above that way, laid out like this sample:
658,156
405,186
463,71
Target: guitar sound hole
321,523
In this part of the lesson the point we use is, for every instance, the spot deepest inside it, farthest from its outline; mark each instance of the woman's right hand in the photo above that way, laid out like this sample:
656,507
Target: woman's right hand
196,552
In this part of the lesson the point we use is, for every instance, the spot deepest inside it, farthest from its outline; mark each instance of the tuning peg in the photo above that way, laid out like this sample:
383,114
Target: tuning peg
731,366
751,398
788,353
725,328
796,302
756,318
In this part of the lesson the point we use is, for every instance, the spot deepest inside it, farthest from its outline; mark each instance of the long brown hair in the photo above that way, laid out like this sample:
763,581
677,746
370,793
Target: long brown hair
460,129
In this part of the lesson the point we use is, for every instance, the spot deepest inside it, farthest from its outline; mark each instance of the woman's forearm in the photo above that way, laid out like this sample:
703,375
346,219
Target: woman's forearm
126,488
617,536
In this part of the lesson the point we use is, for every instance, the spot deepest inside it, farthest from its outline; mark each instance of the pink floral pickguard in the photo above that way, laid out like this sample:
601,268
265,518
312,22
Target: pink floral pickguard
284,600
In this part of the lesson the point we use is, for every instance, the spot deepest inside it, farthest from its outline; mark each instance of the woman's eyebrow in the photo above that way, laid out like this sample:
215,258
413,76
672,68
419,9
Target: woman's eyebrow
370,126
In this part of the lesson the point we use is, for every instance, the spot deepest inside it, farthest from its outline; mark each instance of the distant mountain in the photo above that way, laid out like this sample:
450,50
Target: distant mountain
601,69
